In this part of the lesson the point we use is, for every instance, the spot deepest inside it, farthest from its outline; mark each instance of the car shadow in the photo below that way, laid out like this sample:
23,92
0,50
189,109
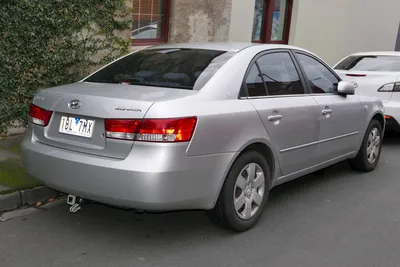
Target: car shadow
303,185
158,229
391,138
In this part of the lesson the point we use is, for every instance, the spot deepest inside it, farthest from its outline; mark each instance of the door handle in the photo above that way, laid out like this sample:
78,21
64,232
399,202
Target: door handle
326,111
275,117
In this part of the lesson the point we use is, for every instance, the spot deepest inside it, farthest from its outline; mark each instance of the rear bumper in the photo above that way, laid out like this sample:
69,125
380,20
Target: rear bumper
153,177
392,113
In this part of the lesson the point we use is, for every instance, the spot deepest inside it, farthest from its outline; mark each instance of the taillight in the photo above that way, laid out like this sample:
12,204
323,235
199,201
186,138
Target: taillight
121,129
39,116
152,130
167,130
390,87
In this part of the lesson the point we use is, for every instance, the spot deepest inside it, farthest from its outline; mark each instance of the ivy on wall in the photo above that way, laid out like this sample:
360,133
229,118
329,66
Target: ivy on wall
45,43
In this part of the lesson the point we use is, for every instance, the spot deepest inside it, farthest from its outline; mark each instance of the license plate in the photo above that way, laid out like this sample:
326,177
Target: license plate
76,126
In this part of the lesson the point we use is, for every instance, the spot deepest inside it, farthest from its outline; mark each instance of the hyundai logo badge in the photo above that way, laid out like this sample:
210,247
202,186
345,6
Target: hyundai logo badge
74,104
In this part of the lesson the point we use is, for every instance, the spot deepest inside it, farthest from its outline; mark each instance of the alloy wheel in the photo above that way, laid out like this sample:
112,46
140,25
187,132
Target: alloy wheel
249,191
373,145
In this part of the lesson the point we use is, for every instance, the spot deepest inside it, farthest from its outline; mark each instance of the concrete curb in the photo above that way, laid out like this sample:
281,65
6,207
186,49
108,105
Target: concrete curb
26,197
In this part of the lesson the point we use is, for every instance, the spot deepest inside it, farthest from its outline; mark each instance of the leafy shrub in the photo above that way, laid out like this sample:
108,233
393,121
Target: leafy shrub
45,43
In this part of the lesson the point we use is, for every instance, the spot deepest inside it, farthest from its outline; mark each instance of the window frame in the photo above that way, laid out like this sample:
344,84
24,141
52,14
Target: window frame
304,74
243,92
164,29
397,46
255,63
266,26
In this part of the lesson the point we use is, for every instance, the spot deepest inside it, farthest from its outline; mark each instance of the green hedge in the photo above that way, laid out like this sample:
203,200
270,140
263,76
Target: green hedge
45,43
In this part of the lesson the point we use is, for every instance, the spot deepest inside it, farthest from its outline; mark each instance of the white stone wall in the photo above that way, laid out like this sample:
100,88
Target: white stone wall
335,28
241,25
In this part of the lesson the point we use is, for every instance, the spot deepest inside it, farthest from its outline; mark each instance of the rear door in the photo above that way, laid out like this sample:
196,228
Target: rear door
289,113
339,115
370,73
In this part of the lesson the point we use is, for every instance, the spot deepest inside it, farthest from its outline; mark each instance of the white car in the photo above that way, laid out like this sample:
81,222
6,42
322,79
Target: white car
146,32
376,74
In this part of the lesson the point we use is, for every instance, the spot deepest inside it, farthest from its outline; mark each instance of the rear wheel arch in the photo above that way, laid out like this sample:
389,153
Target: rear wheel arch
266,152
261,148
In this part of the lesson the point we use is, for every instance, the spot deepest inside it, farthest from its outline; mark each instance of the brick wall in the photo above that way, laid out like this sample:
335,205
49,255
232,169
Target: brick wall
200,20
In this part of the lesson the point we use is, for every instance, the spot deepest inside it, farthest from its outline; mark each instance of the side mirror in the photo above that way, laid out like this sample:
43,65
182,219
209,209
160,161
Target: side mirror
346,88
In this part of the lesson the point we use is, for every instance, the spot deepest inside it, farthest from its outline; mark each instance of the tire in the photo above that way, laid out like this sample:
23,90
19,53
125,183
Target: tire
224,213
362,162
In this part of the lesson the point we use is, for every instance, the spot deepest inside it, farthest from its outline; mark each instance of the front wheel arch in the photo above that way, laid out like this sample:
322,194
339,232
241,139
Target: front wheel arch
380,118
360,161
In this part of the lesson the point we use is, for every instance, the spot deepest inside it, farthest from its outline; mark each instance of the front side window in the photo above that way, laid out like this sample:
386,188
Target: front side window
280,75
150,22
321,79
176,68
271,21
370,63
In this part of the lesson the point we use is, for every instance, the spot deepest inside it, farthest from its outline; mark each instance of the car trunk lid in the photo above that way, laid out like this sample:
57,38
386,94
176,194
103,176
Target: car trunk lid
81,127
368,82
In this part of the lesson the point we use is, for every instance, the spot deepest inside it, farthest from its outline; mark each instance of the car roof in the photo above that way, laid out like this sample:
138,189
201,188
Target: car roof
231,47
223,46
378,53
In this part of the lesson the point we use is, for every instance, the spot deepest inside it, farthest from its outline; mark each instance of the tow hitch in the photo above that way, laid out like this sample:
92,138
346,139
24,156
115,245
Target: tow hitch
76,203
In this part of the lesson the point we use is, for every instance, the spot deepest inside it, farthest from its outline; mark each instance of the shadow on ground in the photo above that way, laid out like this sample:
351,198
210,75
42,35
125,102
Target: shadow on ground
163,227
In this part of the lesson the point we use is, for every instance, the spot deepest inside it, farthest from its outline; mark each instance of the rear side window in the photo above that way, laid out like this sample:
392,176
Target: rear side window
370,63
254,82
187,69
280,74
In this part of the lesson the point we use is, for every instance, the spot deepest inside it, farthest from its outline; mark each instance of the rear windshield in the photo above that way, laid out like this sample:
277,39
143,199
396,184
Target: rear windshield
370,63
187,69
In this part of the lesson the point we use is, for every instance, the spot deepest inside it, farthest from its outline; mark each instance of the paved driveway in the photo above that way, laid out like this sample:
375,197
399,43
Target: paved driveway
341,218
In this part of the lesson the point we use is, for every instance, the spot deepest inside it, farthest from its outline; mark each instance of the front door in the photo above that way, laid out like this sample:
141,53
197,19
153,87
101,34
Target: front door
290,115
340,115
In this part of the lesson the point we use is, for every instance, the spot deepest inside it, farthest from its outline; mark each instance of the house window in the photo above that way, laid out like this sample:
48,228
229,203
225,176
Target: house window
272,21
150,22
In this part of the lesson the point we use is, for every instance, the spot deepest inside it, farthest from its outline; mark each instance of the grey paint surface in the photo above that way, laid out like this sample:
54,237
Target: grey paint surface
340,219
176,176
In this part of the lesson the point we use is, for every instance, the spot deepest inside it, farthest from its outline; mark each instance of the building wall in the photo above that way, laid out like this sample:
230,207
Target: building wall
331,29
334,29
242,15
200,20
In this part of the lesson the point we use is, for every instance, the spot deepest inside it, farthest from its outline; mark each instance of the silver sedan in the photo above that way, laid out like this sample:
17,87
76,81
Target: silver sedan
210,126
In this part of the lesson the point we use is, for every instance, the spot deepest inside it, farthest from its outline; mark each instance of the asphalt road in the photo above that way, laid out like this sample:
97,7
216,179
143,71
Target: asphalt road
338,219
